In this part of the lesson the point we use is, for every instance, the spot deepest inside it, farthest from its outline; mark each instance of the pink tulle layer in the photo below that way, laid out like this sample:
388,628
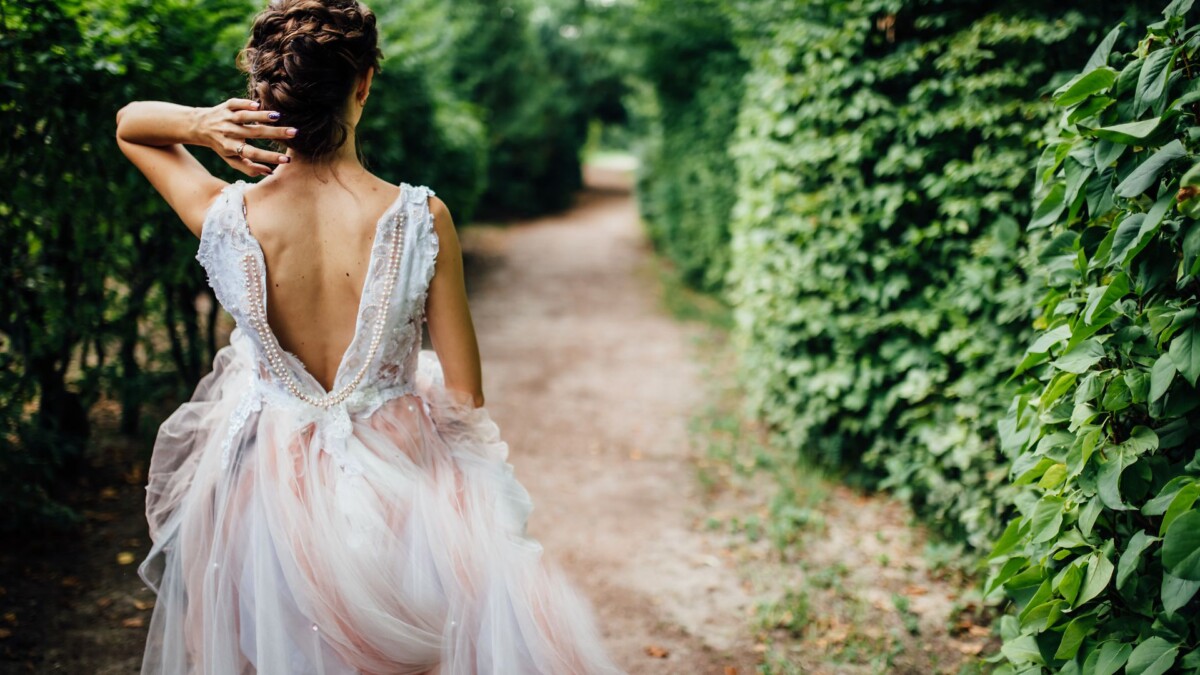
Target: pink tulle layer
395,546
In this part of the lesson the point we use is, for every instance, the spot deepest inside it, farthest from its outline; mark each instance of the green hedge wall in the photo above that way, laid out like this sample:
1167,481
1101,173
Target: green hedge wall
884,152
1103,564
687,182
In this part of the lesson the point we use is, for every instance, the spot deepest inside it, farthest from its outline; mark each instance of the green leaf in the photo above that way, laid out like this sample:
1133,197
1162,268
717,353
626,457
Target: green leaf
1104,49
1099,572
1068,585
1073,635
1109,479
1114,291
1053,477
1084,86
1132,133
1181,547
1161,376
1153,78
1082,357
1128,563
1050,208
1047,519
1141,440
1147,173
1185,354
1177,8
1152,657
1110,657
1023,650
1180,504
1176,592
1050,338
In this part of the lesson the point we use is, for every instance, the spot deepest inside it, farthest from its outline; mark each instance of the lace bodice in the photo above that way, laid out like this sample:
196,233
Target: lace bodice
380,362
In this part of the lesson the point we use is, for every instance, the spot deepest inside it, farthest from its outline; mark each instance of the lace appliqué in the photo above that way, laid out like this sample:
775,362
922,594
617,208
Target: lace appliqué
391,313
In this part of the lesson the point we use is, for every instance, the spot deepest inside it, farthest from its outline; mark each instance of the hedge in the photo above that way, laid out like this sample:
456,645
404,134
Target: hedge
884,154
1103,564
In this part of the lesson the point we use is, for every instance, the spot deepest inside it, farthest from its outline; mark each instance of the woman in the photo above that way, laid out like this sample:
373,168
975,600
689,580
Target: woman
333,499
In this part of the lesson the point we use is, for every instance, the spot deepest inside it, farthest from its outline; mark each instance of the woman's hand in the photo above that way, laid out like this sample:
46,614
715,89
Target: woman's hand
228,127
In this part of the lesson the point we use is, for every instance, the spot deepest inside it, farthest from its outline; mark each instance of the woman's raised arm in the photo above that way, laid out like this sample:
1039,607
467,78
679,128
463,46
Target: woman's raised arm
152,134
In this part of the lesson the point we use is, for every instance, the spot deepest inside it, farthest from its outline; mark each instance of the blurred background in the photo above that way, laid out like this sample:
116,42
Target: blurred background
880,197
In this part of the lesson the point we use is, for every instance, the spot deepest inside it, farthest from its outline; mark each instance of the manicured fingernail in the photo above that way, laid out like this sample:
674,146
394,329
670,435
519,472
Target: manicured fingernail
285,159
256,104
273,115
292,131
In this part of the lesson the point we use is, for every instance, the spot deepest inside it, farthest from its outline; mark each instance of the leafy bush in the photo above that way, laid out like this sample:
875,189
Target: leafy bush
1103,564
883,152
687,182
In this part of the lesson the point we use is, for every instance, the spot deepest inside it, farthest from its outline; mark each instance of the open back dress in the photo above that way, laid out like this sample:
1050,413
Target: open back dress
376,528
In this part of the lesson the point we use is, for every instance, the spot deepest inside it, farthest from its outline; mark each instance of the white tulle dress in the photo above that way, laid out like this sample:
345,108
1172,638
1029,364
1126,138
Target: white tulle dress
375,529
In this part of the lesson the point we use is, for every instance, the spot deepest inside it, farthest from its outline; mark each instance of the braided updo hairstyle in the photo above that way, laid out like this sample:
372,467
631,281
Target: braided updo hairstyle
302,59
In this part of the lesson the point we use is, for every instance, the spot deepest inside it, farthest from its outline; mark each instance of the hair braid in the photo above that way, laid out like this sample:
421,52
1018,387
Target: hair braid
302,59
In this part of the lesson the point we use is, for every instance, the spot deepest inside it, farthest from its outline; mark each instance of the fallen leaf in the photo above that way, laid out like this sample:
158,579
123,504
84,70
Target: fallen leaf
104,602
109,493
970,649
70,581
730,670
124,558
10,617
635,455
979,631
657,652
143,604
134,622
914,589
4,633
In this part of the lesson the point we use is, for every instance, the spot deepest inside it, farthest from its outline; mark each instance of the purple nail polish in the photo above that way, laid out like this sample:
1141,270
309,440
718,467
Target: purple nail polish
273,115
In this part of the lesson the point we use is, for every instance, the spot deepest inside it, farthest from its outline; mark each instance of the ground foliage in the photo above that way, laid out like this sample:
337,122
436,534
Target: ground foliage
1103,564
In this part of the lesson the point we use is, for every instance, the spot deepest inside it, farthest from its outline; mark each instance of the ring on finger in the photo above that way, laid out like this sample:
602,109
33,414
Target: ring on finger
241,147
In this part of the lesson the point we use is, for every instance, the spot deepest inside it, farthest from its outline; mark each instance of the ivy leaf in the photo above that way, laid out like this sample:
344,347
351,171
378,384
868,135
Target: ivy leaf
1146,174
1181,547
1051,207
1047,519
1132,555
1141,440
1132,133
1114,291
1176,592
1109,480
1161,376
1176,8
1152,657
1100,56
1087,354
1099,572
1153,78
1110,657
1185,354
1084,86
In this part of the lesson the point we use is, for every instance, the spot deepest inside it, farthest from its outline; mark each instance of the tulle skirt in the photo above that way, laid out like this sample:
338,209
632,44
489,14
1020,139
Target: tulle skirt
397,547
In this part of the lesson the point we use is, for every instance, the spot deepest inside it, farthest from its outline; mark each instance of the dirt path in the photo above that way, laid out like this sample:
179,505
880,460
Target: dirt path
593,386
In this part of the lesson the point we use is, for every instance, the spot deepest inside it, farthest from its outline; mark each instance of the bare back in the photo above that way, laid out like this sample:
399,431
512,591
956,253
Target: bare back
317,238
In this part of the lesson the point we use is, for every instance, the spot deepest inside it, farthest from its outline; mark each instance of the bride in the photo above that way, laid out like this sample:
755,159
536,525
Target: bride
333,499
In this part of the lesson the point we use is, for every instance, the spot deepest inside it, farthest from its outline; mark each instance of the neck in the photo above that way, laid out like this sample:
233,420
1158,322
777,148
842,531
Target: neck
344,159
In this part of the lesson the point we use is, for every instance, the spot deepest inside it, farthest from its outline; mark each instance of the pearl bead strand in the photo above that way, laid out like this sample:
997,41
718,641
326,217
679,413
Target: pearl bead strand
258,318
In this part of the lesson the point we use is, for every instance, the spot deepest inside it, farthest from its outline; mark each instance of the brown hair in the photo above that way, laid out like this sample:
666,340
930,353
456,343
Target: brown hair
302,59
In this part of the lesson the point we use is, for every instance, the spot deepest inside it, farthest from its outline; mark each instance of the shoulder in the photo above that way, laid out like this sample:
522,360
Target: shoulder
443,222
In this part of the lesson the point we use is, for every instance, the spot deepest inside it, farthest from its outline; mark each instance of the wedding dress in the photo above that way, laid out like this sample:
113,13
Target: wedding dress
376,528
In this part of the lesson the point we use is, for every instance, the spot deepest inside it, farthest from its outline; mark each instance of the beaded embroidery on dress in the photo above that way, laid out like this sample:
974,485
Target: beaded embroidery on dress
374,528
